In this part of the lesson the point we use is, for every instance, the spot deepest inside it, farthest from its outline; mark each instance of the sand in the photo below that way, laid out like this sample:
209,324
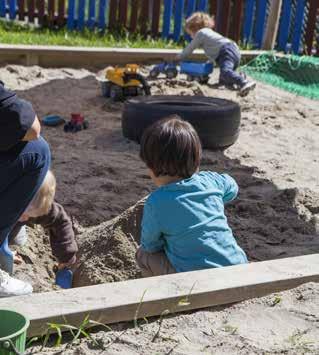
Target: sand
99,174
283,323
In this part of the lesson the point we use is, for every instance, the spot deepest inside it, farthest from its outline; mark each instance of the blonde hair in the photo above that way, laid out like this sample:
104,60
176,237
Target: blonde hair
199,20
43,200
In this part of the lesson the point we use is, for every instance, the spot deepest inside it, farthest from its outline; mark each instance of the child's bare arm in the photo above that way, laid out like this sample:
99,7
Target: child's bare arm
34,132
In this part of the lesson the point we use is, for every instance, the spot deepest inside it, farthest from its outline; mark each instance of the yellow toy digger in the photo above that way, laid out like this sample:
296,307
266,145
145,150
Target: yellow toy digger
124,82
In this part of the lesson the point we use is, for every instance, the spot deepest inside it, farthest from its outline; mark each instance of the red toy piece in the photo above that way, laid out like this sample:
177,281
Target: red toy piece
76,124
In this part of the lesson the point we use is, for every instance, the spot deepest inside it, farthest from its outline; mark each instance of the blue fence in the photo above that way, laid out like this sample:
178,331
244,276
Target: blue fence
243,20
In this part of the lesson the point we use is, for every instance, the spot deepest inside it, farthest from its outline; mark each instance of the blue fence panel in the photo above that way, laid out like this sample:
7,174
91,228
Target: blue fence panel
2,8
12,9
260,22
91,20
248,20
81,14
284,25
299,20
178,19
168,10
102,11
191,7
71,11
202,5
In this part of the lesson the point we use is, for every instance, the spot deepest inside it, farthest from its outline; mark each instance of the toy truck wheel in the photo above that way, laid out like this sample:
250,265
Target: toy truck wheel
171,73
85,124
116,93
203,79
154,74
189,77
105,88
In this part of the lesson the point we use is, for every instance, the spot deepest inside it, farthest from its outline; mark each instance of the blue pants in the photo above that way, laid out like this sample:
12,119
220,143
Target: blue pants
22,171
228,61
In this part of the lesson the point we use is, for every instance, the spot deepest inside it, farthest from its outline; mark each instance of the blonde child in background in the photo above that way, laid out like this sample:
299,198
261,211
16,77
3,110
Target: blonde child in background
217,48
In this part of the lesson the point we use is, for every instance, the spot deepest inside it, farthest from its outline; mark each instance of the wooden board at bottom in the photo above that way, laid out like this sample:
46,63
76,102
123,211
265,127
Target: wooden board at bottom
119,301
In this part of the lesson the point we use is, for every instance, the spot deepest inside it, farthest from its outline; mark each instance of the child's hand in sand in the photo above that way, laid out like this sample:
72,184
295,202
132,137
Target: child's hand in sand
73,265
17,259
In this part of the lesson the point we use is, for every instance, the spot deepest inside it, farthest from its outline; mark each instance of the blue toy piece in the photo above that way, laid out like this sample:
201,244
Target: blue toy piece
169,69
64,278
6,257
53,120
197,71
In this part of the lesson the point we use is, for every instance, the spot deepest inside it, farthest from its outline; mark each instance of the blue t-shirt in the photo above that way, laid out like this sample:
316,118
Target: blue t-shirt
186,219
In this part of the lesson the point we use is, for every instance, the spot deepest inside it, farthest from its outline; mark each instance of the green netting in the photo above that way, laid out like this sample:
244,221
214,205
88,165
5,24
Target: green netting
299,75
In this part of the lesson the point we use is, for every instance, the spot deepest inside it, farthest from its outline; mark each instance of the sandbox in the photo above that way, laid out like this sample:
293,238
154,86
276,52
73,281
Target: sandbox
99,174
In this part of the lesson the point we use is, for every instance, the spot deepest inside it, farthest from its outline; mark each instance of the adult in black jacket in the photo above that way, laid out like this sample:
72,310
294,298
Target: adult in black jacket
24,161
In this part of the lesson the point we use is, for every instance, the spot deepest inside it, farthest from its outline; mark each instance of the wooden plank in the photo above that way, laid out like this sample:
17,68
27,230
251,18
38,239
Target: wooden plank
12,9
260,22
311,25
298,27
156,12
284,25
31,10
81,14
123,9
102,16
2,8
113,14
213,7
51,13
71,15
21,10
178,19
272,25
86,57
134,15
237,16
144,16
168,10
41,9
224,10
248,20
61,13
119,301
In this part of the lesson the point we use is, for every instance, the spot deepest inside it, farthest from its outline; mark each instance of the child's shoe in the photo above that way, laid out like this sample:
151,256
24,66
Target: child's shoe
10,286
246,88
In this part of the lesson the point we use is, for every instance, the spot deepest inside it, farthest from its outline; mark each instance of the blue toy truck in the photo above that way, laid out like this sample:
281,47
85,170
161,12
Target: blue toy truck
197,71
169,69
193,70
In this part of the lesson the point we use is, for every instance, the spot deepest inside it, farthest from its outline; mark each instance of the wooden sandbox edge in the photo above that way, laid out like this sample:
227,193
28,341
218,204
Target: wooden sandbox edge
127,300
87,57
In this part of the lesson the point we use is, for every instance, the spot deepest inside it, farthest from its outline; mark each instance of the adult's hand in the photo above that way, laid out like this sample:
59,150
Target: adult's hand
34,132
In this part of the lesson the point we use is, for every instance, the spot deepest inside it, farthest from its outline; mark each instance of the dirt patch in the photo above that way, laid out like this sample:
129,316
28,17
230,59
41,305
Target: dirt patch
100,175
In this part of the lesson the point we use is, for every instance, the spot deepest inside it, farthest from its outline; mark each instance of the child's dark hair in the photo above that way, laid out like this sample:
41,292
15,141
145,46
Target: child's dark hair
171,147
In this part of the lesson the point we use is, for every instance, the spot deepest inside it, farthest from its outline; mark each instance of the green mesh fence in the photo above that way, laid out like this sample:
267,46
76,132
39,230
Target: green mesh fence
299,75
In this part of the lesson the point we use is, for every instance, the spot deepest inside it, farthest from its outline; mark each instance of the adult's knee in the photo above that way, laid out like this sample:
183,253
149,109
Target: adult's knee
37,155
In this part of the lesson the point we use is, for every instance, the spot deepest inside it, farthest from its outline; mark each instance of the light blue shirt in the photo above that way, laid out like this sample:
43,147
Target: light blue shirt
186,219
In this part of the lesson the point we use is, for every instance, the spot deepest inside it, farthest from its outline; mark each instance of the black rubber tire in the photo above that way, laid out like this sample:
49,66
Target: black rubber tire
154,74
217,121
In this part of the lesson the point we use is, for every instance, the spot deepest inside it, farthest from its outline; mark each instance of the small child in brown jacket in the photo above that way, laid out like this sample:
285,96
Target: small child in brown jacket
52,217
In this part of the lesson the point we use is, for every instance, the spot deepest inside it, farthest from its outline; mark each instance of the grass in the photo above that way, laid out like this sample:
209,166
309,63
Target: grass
17,33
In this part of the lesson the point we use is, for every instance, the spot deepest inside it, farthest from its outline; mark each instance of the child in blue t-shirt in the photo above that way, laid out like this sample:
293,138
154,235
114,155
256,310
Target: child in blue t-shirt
184,226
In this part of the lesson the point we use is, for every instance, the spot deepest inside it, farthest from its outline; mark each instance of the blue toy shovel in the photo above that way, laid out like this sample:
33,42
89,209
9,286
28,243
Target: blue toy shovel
6,257
64,278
